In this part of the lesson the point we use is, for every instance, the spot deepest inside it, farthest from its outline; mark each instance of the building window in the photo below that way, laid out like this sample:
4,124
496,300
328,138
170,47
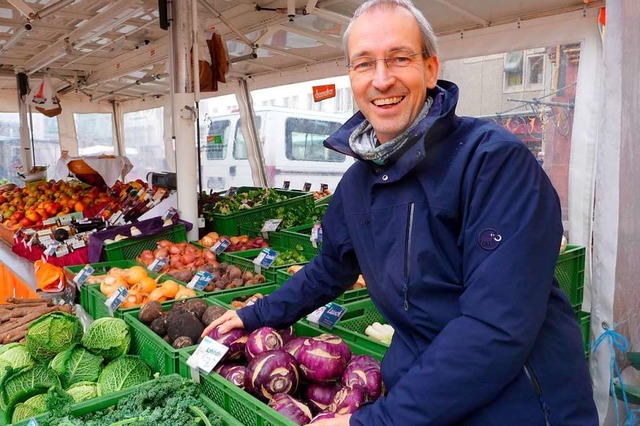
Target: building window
535,72
523,71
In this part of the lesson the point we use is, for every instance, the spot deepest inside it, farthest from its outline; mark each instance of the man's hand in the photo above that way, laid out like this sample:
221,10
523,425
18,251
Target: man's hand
338,420
227,322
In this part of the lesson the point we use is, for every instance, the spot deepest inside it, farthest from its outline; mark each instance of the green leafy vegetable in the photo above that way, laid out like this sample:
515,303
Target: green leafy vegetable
15,355
30,408
20,384
167,401
76,364
122,373
51,334
107,337
82,391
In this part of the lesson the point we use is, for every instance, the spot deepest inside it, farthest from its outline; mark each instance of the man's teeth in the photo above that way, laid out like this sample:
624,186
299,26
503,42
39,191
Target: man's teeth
387,101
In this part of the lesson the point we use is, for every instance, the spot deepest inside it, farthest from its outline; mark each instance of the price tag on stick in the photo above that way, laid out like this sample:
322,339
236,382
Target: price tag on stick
207,355
306,187
264,260
221,245
115,300
158,264
316,235
270,225
82,276
327,315
200,280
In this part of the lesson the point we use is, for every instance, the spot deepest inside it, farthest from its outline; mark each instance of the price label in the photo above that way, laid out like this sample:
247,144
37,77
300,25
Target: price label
316,235
50,221
270,225
78,243
201,222
264,260
28,231
169,214
82,276
324,187
51,248
207,355
200,280
327,315
44,232
63,250
286,184
158,264
220,246
231,191
306,187
115,300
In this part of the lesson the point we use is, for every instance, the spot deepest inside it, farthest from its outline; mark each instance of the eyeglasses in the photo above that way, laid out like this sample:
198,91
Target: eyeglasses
397,60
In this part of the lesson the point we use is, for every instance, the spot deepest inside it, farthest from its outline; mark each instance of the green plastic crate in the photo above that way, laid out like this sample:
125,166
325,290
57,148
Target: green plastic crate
244,259
225,298
300,235
96,308
151,348
99,269
324,200
249,410
131,247
229,224
348,296
106,401
584,319
569,273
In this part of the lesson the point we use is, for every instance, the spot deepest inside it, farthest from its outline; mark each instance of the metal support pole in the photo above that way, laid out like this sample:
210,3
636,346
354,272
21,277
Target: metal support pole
183,116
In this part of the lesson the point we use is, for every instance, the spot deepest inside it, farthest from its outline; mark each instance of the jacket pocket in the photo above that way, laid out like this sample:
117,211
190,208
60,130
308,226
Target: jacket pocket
407,254
533,379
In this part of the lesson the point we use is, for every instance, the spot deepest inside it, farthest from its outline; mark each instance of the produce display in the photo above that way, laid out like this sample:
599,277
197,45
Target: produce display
360,283
19,313
183,259
380,332
273,364
317,195
32,204
165,401
243,201
140,286
59,359
237,243
182,324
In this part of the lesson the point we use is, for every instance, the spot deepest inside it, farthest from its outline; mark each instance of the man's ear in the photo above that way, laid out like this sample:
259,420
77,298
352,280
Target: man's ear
431,69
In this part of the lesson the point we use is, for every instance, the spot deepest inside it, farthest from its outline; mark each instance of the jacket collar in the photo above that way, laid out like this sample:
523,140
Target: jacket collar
441,114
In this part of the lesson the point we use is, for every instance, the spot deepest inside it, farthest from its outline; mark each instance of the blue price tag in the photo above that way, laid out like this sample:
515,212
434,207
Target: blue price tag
169,214
332,314
221,245
266,257
158,264
200,280
82,276
33,422
115,300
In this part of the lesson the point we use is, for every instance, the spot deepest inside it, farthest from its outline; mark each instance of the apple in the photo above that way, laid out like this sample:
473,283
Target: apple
25,222
17,215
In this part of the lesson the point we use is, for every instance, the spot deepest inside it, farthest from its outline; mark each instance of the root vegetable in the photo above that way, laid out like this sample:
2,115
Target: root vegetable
150,311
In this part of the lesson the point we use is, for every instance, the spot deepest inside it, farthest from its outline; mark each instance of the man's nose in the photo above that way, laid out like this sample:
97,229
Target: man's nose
383,78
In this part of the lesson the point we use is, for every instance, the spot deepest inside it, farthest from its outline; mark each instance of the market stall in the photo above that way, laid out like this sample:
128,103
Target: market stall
601,231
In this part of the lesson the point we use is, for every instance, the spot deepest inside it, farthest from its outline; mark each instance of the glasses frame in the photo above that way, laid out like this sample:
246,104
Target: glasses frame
350,65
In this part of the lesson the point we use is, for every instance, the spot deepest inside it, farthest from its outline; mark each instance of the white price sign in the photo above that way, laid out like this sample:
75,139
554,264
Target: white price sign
207,355
82,276
115,300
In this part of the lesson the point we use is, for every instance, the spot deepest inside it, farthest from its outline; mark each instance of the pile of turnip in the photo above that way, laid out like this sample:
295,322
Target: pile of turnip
300,377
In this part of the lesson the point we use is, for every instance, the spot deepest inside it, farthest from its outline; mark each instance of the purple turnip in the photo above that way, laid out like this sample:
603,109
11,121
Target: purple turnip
235,340
320,395
272,372
323,358
291,408
261,340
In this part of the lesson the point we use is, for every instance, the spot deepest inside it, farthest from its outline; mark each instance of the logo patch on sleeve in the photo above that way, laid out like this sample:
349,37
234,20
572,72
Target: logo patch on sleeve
489,239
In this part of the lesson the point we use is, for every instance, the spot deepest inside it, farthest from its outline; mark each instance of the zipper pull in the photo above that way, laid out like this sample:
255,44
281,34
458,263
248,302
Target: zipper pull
405,291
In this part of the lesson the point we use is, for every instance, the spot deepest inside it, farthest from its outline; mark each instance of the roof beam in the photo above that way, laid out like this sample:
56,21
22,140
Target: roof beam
311,34
22,7
133,61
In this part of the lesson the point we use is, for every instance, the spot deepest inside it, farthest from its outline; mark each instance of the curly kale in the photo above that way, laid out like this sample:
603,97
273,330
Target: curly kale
166,401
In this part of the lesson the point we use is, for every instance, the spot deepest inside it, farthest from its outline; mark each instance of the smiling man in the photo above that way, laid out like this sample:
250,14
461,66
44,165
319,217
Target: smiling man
456,230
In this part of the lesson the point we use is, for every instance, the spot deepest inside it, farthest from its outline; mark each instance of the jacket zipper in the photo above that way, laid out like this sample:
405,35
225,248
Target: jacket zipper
531,375
407,253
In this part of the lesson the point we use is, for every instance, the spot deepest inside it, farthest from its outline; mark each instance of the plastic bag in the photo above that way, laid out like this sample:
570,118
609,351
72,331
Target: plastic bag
44,96
49,278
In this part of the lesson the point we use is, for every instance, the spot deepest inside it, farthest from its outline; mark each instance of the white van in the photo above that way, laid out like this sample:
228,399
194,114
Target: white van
291,143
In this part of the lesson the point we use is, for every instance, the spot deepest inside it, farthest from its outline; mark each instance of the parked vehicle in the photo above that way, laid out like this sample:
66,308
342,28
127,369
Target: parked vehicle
291,143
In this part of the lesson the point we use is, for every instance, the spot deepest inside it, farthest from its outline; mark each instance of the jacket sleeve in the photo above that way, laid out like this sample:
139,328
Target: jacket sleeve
503,305
323,279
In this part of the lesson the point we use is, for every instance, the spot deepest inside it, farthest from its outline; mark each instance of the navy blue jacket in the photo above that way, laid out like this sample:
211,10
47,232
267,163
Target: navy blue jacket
457,240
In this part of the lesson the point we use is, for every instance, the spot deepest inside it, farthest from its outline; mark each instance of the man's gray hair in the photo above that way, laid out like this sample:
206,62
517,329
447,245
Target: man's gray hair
429,39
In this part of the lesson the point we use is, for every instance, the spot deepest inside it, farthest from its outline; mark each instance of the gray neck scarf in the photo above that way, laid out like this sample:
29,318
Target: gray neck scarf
364,143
